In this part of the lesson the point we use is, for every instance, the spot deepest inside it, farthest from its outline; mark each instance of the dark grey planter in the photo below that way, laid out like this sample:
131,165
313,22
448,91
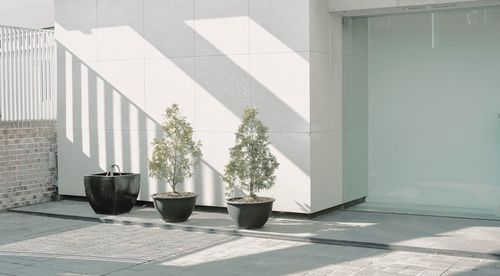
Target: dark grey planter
174,209
112,193
250,215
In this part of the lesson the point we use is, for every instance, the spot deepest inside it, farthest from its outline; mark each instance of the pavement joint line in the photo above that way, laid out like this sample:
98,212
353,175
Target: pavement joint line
421,215
129,267
68,256
255,234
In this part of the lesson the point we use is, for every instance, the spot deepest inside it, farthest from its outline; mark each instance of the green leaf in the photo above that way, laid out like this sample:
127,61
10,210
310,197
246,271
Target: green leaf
252,166
176,153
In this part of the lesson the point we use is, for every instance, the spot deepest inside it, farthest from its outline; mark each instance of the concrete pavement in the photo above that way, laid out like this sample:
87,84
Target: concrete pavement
414,233
37,245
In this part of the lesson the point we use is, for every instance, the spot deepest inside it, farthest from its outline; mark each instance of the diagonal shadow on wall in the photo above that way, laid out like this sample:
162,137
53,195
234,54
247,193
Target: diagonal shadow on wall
98,139
271,106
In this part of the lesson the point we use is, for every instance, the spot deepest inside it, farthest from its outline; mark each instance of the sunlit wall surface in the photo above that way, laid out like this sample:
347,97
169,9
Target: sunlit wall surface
429,113
122,62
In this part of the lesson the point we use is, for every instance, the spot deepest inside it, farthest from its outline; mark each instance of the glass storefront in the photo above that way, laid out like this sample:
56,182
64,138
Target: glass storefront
422,108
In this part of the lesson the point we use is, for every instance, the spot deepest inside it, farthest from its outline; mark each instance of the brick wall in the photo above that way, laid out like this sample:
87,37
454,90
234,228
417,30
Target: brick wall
28,165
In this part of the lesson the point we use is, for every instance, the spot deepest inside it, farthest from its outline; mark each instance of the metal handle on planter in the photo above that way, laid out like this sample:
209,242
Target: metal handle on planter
110,173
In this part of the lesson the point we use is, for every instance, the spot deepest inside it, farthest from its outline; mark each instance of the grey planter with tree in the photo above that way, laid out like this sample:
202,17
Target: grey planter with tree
251,169
174,157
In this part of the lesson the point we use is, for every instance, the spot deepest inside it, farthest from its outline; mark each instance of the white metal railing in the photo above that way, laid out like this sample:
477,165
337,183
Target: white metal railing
27,75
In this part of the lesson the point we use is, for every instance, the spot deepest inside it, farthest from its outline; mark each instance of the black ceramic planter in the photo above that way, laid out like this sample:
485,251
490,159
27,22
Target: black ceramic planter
112,193
174,209
250,215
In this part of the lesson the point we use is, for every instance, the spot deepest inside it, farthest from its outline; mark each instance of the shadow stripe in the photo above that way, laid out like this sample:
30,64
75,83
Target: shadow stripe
256,234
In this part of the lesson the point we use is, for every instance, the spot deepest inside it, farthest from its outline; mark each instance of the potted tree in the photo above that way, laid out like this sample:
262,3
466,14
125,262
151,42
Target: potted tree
173,160
250,169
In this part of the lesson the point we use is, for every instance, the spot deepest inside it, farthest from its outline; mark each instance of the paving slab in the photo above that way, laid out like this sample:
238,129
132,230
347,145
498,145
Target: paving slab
414,233
40,245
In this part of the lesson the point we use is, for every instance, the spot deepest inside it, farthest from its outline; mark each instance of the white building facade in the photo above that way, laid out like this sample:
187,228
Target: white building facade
314,69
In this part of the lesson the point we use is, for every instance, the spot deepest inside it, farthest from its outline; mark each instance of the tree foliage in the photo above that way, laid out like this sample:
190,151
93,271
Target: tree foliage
176,153
251,167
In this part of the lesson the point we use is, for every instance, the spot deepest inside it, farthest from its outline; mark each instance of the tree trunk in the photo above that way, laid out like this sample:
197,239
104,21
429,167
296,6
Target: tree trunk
251,190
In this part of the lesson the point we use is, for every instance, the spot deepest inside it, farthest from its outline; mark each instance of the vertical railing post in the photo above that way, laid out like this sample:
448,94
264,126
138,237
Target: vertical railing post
2,72
27,74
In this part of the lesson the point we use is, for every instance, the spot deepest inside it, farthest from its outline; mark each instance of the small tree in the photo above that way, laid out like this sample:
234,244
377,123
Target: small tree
251,167
176,154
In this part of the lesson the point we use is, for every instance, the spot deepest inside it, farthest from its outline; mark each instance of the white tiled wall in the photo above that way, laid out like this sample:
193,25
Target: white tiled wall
76,26
213,58
221,27
280,89
326,169
279,26
222,92
165,31
326,108
120,28
168,81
